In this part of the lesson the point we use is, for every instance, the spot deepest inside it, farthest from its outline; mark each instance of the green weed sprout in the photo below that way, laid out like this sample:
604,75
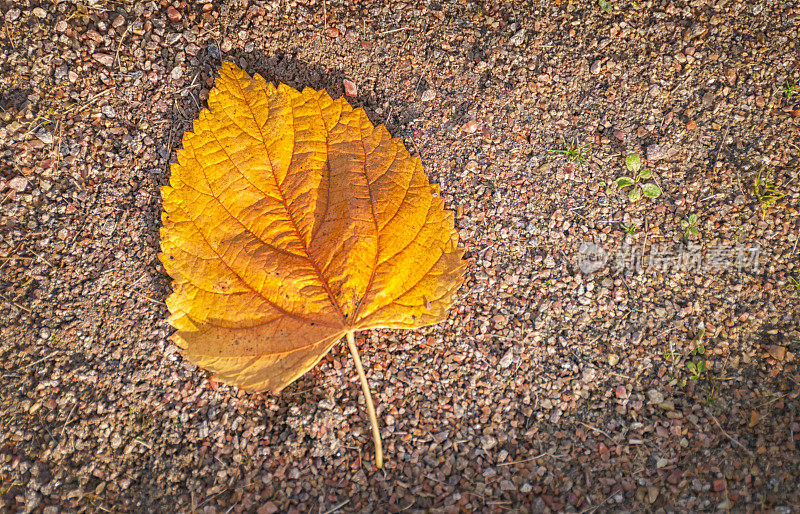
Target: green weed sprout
689,226
766,192
638,188
574,152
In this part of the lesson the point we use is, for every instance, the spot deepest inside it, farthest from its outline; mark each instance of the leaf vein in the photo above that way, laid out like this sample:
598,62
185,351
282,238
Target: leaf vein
243,281
225,208
408,289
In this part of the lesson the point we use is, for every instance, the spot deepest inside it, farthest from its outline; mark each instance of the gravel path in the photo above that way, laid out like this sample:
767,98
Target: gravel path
601,356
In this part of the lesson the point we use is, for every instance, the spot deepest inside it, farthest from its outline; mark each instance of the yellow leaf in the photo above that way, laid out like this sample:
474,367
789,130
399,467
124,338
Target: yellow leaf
291,221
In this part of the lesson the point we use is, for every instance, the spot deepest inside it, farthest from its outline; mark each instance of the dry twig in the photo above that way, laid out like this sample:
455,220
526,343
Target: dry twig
395,30
730,437
520,461
590,427
336,507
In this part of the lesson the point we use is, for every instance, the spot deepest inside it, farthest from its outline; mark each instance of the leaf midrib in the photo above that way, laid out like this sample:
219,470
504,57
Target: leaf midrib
374,220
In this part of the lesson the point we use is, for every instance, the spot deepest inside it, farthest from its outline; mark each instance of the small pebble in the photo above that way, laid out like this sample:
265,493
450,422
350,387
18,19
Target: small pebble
655,152
104,59
507,485
61,72
674,477
518,38
173,14
269,507
655,396
213,49
350,88
428,95
351,36
44,136
12,15
777,352
507,359
18,183
470,127
108,227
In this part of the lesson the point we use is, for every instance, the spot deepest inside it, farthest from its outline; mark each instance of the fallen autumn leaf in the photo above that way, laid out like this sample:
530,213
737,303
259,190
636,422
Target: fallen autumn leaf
291,221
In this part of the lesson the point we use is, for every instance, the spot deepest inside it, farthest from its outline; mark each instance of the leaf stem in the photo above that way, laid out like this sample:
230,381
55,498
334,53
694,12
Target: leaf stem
376,434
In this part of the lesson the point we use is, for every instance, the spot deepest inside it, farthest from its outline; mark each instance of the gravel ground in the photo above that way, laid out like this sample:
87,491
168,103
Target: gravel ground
594,361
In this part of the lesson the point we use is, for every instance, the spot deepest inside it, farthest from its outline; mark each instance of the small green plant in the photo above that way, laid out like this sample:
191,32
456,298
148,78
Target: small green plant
638,188
574,152
689,226
794,284
697,366
604,5
699,349
670,356
766,192
790,90
604,187
629,230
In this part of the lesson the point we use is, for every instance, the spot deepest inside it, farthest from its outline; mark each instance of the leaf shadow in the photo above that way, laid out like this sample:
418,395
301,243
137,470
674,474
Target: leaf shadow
281,67
276,67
